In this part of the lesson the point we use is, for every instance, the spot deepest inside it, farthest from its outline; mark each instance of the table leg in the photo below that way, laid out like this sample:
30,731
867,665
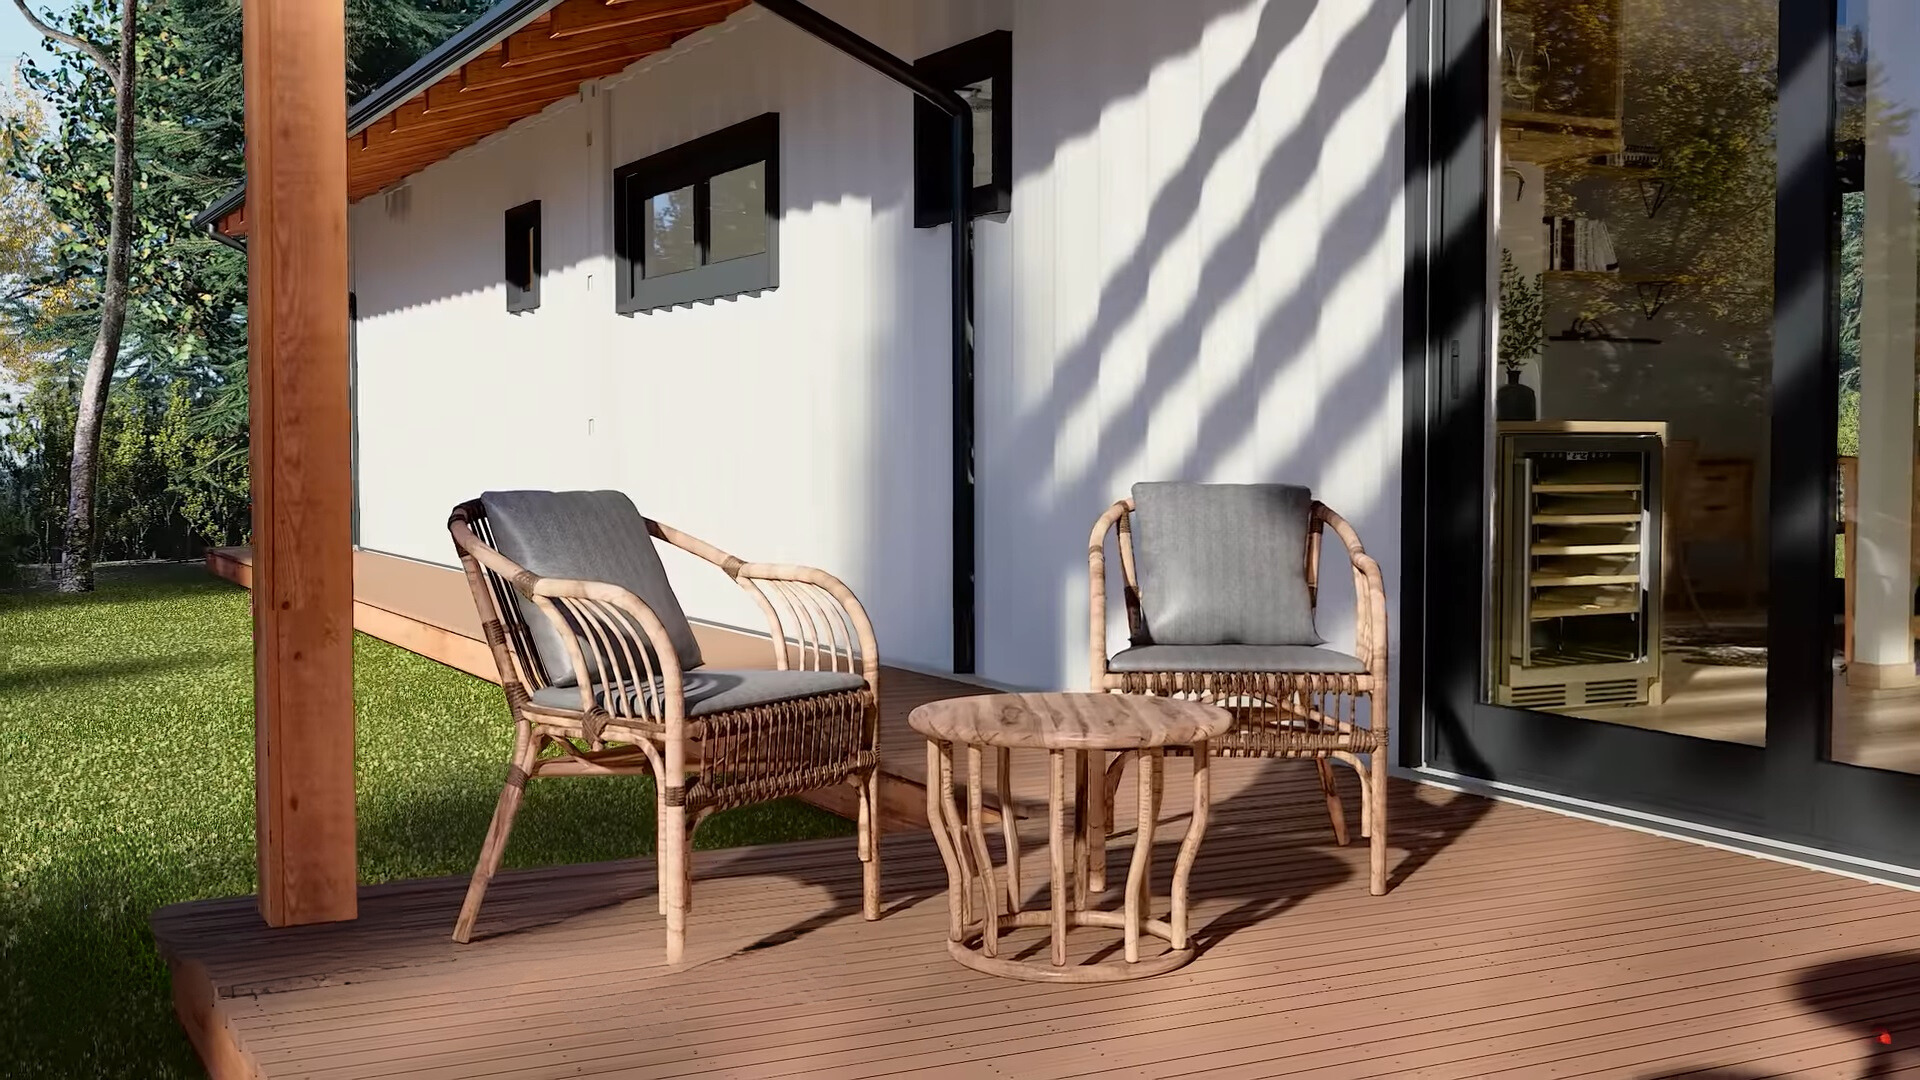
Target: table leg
1097,813
1140,871
1190,847
1058,850
937,822
1009,829
1082,826
983,858
950,811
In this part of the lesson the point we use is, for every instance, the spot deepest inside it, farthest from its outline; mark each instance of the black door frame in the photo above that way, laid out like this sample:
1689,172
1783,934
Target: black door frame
1787,793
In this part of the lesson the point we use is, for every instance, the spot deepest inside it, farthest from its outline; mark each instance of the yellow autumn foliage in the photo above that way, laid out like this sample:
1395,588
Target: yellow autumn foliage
25,231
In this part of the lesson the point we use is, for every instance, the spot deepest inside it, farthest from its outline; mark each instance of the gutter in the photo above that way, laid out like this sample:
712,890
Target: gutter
492,26
961,192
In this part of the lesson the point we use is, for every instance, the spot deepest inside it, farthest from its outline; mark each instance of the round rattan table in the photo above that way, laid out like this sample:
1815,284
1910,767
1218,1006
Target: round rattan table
1083,728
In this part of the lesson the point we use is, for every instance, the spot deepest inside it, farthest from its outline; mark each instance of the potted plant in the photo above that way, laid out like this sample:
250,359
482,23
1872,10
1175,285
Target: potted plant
1522,323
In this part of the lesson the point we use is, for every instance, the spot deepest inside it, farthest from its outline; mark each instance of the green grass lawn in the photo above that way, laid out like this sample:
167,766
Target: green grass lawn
126,783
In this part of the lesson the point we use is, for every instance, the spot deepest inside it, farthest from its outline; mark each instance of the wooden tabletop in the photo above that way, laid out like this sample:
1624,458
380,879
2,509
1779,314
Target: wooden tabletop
1069,721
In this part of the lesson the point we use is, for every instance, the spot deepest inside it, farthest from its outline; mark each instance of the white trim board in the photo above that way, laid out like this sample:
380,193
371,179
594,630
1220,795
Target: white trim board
1673,828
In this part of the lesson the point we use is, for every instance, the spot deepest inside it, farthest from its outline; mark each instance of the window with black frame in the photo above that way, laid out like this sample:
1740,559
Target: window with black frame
699,221
523,257
981,72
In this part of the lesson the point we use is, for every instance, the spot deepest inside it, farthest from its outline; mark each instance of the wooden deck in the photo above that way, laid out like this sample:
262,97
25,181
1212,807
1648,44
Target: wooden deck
1514,943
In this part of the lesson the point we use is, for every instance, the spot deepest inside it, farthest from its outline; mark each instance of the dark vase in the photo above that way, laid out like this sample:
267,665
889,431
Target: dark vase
1514,400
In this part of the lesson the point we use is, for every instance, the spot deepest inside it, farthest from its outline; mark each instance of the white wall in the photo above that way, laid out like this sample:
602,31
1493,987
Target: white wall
1199,279
454,394
1204,285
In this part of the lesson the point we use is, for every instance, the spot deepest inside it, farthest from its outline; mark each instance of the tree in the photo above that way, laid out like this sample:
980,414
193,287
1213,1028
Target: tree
30,303
75,573
183,340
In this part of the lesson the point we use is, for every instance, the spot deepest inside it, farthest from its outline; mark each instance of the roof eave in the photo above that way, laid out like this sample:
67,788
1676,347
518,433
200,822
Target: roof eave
493,26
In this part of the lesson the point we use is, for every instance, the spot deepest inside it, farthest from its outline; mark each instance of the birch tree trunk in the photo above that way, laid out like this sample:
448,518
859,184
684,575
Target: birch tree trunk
75,572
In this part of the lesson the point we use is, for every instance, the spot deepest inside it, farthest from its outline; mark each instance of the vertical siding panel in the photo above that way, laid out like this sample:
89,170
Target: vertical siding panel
1292,309
1219,332
1016,437
1123,195
1176,99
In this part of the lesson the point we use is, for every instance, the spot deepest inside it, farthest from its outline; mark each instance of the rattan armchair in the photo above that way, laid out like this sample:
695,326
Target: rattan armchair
599,683
1290,701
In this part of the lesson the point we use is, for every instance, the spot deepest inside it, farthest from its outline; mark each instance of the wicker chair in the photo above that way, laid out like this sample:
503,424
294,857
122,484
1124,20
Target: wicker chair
1288,701
603,677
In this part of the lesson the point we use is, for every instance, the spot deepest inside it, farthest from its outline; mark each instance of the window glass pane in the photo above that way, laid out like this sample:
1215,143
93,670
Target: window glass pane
980,96
1876,715
1634,363
739,202
666,222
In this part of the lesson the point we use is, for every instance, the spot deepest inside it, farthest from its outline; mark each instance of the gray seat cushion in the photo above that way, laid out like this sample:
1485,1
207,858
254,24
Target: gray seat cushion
587,536
1282,658
1223,564
711,691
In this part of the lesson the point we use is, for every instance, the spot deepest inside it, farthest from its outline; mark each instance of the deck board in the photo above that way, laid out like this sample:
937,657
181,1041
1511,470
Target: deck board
1514,942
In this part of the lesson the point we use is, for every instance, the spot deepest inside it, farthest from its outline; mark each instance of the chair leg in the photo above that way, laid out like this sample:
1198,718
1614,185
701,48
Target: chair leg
1377,822
870,845
660,866
671,859
1335,810
1366,805
495,845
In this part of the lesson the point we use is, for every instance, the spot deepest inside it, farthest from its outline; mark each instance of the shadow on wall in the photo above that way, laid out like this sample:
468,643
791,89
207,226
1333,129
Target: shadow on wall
1055,507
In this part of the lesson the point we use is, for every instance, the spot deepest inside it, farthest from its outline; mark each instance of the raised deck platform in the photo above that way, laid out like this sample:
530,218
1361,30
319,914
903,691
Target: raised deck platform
1514,943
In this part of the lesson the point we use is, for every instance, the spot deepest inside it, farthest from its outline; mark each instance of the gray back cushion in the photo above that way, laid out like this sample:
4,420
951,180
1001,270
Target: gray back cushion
1223,564
589,536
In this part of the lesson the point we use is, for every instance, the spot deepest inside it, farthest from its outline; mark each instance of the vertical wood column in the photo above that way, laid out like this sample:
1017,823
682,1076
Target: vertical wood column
296,116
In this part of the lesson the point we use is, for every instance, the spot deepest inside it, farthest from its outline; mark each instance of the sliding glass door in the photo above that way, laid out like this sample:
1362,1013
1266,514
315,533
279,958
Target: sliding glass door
1675,571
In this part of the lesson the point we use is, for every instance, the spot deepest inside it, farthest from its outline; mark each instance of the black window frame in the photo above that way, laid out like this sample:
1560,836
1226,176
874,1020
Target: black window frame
1787,797
695,164
989,56
523,238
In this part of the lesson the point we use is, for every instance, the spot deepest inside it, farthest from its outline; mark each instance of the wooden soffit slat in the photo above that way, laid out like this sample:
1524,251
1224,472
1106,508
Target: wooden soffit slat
583,16
448,99
494,70
527,47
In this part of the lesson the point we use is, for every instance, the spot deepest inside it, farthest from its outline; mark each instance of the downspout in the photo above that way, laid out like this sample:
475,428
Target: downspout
960,192
213,230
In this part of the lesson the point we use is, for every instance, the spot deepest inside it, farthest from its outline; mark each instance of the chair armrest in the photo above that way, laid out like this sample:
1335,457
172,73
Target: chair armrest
1370,597
805,607
601,625
815,612
1115,520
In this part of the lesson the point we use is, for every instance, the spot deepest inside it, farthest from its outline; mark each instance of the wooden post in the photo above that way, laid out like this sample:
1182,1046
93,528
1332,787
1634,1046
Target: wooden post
296,114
